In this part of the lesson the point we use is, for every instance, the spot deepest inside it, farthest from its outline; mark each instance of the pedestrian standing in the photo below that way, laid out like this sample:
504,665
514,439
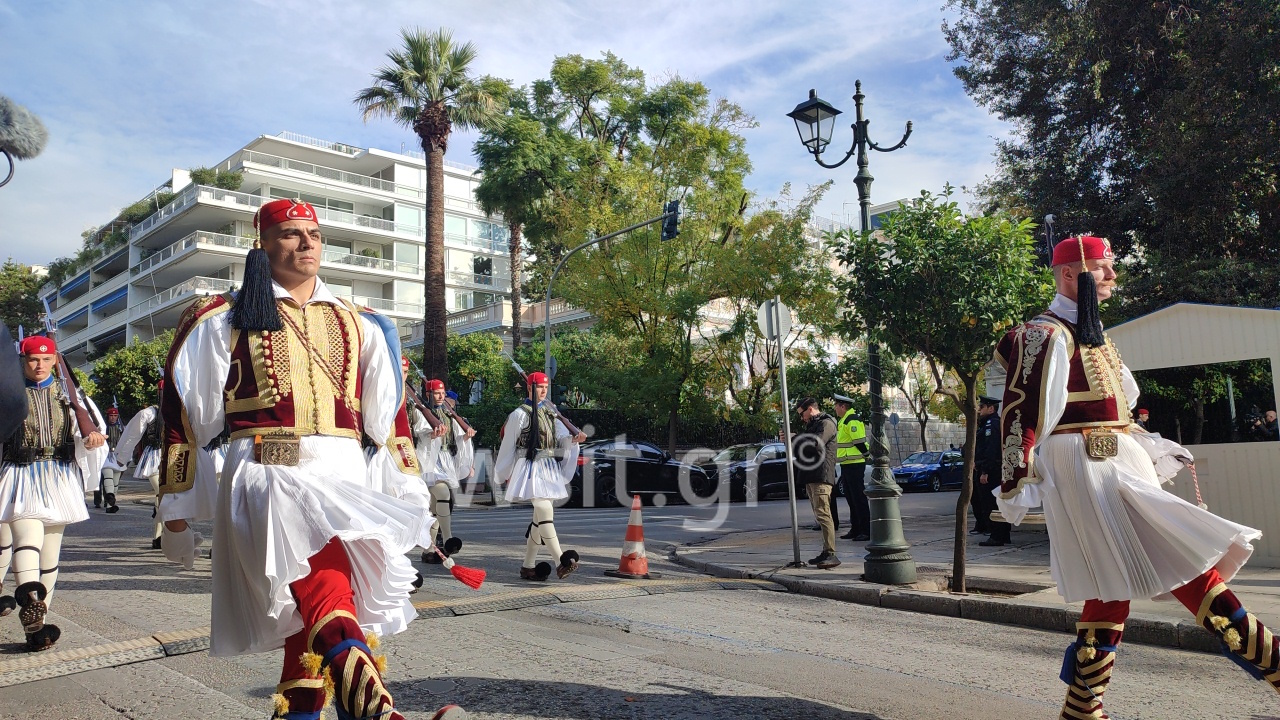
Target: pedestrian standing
851,453
111,470
986,472
1114,533
309,554
814,451
49,463
1143,417
536,461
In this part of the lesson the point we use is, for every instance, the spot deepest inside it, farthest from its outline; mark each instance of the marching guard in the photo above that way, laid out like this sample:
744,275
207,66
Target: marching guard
537,459
1069,444
141,440
452,461
307,555
49,463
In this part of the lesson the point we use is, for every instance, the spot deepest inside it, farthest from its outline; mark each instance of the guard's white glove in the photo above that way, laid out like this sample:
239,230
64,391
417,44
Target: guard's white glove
180,547
1168,456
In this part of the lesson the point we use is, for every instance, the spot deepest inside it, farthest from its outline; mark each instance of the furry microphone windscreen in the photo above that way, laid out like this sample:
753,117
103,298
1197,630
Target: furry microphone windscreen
13,396
22,134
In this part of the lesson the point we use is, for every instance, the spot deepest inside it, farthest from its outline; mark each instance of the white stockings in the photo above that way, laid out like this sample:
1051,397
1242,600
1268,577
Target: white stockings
542,531
36,548
440,494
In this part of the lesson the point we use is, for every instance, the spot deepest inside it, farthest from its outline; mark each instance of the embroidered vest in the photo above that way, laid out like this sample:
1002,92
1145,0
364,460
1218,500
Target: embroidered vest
303,379
1095,395
546,427
46,433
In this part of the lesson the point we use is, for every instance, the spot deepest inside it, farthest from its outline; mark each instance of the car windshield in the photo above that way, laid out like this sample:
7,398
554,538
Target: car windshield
737,453
922,458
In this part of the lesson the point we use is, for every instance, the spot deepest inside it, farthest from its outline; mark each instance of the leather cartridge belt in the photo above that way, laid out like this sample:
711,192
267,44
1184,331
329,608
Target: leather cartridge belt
18,455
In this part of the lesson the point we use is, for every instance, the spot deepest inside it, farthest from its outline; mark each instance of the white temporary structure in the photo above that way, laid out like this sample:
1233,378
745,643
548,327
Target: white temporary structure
1240,481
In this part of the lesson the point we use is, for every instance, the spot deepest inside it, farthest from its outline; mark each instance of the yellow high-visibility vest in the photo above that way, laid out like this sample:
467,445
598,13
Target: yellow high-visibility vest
849,434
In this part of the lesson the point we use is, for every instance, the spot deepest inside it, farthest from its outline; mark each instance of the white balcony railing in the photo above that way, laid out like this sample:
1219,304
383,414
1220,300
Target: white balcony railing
332,174
192,286
418,155
342,257
496,246
322,144
385,305
196,238
481,280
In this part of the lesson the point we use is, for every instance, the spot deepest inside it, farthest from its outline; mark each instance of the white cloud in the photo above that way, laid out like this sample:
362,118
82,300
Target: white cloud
130,91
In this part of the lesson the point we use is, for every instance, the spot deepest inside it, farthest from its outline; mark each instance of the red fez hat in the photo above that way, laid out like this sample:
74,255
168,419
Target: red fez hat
433,385
1143,411
404,361
537,378
1085,247
112,411
38,345
282,210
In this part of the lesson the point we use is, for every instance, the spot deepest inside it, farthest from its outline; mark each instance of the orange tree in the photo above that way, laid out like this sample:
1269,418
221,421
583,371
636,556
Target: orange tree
934,282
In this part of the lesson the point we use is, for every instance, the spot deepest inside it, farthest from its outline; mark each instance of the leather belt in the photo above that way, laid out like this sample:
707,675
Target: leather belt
1089,430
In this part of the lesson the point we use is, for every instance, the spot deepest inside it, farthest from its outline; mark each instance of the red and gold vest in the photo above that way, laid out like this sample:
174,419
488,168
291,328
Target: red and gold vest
1095,395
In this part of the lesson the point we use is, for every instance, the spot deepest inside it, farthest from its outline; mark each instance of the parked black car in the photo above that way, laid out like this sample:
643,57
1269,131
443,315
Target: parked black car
930,471
755,471
618,470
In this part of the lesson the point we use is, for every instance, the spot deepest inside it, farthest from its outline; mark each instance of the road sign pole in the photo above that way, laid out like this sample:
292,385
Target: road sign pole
775,324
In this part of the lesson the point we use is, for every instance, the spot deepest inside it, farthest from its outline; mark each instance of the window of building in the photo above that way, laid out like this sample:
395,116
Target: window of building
454,225
462,301
482,269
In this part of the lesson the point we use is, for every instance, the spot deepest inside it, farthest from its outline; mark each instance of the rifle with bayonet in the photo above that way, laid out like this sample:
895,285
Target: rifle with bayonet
83,421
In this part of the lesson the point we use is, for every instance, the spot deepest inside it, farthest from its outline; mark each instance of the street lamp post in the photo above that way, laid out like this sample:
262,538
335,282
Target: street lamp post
888,559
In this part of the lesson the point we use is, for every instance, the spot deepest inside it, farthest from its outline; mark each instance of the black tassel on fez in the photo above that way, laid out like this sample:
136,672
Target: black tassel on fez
255,306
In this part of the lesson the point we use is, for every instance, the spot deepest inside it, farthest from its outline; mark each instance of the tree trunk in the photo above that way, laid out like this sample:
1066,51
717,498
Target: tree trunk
970,408
924,438
435,362
517,302
673,417
1198,434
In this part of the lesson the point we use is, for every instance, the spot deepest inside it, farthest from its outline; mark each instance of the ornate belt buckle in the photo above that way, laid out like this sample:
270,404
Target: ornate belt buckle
280,448
1101,444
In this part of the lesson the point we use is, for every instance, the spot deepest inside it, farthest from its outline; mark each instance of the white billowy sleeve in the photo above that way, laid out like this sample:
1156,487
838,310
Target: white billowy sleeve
517,421
1031,495
132,434
569,450
90,461
383,414
1130,386
200,370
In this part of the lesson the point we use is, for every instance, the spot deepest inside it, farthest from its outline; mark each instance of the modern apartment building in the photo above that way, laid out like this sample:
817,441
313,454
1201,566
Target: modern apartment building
371,208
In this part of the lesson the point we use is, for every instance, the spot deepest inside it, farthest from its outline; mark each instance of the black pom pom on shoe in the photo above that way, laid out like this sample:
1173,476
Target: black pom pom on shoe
43,639
568,563
451,546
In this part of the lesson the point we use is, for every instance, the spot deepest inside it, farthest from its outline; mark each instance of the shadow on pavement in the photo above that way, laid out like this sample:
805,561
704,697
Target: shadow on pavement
574,701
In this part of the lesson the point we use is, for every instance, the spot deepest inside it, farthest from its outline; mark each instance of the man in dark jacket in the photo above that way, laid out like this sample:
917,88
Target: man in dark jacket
814,451
986,472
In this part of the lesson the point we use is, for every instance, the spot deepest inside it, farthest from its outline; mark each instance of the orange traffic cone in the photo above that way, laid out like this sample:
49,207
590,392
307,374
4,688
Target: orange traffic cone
633,564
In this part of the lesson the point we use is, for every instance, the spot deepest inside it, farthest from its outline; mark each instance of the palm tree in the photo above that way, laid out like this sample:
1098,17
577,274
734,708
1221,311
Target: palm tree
427,86
520,165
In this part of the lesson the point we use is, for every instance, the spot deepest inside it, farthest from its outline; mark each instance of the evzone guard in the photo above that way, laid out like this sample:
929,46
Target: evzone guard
49,463
141,441
307,554
449,461
535,463
1069,444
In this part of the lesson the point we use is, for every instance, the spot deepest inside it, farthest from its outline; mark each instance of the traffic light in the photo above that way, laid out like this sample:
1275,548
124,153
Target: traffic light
670,225
558,393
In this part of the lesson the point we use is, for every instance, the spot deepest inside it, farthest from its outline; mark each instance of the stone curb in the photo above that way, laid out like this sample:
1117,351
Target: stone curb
1140,628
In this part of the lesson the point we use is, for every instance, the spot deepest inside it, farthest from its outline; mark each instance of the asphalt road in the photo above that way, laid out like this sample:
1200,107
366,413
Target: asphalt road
706,654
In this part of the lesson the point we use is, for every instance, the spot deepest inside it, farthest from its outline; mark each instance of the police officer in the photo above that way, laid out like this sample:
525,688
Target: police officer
851,453
986,473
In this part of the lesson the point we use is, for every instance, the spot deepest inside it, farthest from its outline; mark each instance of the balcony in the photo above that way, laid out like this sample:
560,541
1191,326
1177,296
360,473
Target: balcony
479,280
497,316
322,144
207,239
330,174
384,305
341,257
182,291
471,243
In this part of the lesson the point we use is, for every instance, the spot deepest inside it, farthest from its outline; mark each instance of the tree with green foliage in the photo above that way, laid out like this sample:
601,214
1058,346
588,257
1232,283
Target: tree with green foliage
1150,123
628,149
936,283
427,85
129,374
224,179
522,163
19,297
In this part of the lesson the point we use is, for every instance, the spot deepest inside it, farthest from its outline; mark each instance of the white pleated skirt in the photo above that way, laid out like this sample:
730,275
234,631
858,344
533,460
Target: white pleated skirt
1115,534
148,463
272,518
452,469
49,491
540,479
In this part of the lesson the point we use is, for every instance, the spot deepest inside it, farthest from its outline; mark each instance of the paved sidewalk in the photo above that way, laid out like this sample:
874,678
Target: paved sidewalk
1009,584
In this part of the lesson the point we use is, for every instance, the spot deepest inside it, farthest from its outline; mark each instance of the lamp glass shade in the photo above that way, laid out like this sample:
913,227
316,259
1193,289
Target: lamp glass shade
815,120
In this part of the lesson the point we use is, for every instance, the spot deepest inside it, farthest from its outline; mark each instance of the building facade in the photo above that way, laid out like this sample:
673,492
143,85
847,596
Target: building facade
371,206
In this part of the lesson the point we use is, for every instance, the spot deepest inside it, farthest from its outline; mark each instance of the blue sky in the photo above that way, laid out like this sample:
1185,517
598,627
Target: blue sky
130,90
